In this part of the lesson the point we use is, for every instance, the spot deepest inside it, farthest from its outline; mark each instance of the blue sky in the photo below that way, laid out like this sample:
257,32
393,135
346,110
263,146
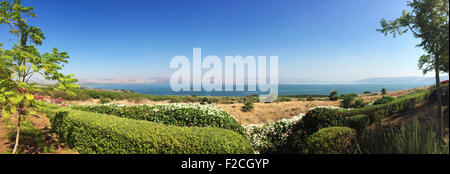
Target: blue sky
326,40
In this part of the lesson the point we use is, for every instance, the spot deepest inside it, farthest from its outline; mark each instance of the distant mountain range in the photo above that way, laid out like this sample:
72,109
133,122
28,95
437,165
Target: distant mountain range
375,80
399,80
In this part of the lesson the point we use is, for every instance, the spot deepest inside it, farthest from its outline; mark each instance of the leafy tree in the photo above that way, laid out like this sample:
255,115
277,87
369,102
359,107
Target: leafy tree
383,91
427,20
23,61
334,96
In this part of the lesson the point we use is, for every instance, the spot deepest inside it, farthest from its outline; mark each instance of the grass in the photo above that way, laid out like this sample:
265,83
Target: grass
414,138
32,139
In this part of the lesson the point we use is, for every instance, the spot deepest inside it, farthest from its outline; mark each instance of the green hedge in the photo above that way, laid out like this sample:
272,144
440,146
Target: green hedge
104,134
176,114
332,140
313,121
401,104
328,117
357,122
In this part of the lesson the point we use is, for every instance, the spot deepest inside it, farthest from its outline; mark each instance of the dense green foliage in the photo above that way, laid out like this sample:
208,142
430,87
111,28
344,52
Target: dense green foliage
384,99
89,132
205,101
319,118
312,122
248,105
334,96
415,138
351,101
357,122
172,114
332,140
399,105
383,91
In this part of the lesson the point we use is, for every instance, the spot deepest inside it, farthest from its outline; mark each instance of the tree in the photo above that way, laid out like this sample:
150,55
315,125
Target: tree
383,91
24,61
334,95
427,20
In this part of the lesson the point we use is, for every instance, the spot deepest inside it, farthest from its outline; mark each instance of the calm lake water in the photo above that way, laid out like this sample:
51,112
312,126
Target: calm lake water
283,89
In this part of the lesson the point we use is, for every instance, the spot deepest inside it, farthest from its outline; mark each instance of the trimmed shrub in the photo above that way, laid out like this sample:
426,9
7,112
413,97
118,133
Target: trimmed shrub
357,122
399,105
332,140
383,100
313,121
179,114
104,134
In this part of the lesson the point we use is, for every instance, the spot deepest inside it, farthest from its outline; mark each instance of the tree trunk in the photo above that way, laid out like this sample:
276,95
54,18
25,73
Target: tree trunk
16,145
438,94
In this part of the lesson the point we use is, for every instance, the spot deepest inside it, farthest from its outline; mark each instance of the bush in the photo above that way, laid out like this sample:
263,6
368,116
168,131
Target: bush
367,92
105,100
248,105
359,103
104,134
310,98
334,96
283,99
383,91
444,95
348,100
383,100
205,101
313,121
333,140
414,138
172,114
271,138
357,122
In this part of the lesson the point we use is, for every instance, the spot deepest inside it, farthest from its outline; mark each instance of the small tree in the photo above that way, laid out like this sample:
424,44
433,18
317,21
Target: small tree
334,96
383,91
24,61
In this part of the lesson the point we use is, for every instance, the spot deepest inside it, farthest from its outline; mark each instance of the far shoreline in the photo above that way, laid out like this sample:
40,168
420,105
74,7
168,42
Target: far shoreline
163,89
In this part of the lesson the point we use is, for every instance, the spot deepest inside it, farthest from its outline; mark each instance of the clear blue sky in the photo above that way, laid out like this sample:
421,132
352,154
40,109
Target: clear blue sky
329,40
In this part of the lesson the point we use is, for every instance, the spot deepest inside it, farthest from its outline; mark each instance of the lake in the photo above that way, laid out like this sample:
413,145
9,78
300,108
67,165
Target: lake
283,89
